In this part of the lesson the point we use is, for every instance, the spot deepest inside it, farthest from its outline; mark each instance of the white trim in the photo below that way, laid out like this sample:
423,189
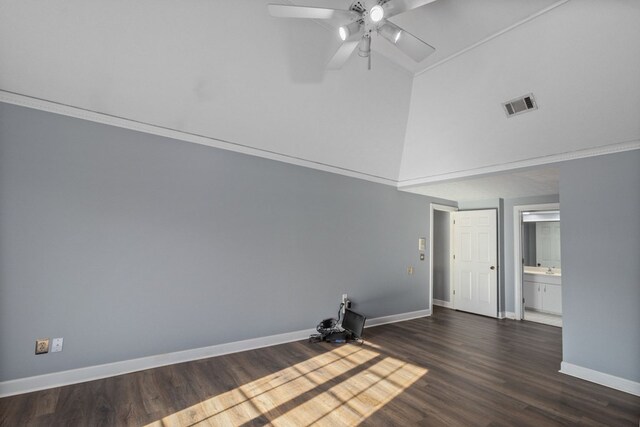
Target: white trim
517,251
493,36
601,378
535,161
445,208
94,116
442,303
384,320
510,315
90,373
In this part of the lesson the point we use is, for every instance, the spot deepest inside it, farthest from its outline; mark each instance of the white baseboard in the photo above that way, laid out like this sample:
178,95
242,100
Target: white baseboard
397,318
510,315
442,303
601,378
90,373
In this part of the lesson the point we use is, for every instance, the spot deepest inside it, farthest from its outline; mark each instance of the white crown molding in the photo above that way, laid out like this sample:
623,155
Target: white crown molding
93,116
492,36
79,113
536,161
90,373
601,378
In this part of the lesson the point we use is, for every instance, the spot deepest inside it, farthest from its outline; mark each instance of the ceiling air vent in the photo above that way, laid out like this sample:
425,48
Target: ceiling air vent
520,105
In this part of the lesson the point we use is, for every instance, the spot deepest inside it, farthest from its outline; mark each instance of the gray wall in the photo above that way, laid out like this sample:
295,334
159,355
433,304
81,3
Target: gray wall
600,232
441,251
130,245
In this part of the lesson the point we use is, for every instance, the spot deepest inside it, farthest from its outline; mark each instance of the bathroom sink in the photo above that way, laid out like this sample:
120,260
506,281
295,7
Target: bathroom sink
543,271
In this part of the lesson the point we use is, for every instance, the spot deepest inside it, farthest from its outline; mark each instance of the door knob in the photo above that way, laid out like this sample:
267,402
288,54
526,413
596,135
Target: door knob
492,267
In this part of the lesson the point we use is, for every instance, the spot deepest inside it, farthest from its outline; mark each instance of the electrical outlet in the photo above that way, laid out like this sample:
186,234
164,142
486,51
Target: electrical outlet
42,346
344,298
56,345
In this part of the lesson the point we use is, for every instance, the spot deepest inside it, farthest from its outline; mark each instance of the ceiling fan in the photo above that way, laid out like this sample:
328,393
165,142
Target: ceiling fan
363,18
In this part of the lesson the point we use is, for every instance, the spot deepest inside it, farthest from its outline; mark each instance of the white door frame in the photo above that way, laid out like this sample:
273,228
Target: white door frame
517,249
445,208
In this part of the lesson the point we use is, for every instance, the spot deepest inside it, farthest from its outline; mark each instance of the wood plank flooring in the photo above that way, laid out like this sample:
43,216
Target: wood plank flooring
451,369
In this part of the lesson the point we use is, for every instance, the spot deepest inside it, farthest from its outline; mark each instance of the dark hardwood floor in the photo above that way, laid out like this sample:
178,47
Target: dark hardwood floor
450,369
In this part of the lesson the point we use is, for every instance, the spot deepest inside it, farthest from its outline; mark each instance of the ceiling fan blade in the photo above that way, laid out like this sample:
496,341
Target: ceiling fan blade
396,7
412,46
343,53
290,11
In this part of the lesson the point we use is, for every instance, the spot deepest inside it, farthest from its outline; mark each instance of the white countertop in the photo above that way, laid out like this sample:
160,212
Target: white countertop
543,271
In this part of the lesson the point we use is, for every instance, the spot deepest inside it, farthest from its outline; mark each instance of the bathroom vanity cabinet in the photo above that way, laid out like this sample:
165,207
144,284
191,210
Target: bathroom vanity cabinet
543,292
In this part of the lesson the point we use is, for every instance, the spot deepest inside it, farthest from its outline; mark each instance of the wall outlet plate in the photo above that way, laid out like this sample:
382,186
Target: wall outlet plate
56,345
42,346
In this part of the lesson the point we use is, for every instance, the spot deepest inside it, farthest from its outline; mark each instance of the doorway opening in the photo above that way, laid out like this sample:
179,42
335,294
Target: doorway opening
440,256
538,269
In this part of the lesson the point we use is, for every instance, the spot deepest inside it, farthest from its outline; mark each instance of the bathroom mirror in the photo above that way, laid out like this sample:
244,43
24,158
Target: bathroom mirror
541,239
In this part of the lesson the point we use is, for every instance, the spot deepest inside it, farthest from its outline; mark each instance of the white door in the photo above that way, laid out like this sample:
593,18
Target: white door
475,267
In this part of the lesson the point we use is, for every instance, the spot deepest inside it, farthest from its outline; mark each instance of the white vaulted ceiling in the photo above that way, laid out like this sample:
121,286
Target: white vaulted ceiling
220,69
225,73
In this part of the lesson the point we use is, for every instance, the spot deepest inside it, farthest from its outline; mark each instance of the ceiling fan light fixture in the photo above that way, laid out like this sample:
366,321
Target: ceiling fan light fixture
391,33
347,31
376,13
343,32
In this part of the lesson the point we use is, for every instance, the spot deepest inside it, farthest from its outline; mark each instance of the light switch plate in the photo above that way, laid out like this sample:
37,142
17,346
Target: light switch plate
56,345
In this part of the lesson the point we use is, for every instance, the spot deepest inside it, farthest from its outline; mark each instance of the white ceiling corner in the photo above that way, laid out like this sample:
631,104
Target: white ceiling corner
453,26
581,62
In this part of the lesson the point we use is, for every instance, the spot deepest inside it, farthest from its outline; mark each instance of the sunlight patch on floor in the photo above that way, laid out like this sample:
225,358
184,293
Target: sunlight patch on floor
355,399
364,391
